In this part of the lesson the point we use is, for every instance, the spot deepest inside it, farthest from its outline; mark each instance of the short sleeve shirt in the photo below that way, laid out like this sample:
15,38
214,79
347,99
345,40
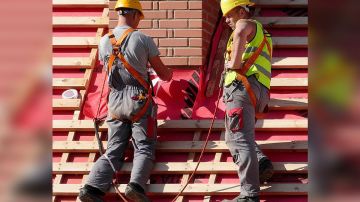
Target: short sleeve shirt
137,49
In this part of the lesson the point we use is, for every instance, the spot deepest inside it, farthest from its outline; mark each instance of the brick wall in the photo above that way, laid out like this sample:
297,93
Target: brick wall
181,29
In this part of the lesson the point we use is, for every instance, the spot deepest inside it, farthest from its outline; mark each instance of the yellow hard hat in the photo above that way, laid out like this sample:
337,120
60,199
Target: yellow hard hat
228,5
134,4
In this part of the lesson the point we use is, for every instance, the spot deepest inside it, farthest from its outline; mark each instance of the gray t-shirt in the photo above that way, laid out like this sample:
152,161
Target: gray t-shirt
137,49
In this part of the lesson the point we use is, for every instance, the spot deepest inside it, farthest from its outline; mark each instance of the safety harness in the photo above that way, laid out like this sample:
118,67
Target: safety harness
241,73
116,53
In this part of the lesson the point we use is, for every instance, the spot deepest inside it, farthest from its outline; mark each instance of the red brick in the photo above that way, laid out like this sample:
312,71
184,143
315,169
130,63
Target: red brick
162,51
155,5
187,51
206,36
155,32
188,14
173,23
196,61
195,4
155,14
175,60
170,33
205,43
170,52
195,23
195,42
188,33
208,27
210,18
205,50
145,24
171,42
155,24
170,14
175,5
146,5
156,41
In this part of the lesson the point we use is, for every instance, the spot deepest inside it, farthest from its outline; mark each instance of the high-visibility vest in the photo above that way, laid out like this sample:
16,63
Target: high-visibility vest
262,65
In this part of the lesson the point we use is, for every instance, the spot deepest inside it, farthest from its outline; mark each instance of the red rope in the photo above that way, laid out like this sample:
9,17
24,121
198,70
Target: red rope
97,120
203,149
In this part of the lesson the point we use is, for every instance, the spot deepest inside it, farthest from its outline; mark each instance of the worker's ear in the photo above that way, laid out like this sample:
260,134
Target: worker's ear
242,12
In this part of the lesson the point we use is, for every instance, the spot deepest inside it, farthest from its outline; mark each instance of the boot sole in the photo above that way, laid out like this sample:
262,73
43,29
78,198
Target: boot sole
87,198
132,195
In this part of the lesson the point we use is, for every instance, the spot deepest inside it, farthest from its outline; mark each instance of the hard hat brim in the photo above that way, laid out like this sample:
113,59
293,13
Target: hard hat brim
250,4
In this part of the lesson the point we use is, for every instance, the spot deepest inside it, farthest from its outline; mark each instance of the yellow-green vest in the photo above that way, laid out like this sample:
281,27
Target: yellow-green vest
262,66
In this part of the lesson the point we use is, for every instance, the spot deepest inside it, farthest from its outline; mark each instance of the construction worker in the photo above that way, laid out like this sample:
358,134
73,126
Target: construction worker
132,113
246,92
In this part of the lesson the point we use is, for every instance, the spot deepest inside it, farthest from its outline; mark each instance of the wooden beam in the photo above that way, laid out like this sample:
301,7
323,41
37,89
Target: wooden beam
280,3
191,158
71,62
266,124
66,104
289,83
288,104
196,189
274,104
217,160
80,3
283,21
289,62
66,83
80,22
75,42
65,156
181,168
290,42
182,146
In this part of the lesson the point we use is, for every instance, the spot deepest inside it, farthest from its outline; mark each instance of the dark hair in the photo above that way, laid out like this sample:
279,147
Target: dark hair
125,11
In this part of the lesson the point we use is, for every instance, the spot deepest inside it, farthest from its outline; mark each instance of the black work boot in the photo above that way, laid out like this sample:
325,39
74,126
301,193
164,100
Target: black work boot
243,199
136,193
266,170
91,194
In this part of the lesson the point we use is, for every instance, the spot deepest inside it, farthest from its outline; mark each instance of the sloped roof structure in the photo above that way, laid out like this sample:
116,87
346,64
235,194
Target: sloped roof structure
186,104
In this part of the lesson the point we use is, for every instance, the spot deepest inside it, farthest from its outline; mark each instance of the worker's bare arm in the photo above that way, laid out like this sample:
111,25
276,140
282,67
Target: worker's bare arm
241,33
161,70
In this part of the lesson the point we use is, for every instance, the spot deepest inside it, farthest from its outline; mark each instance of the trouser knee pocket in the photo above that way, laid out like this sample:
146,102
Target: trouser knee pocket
234,119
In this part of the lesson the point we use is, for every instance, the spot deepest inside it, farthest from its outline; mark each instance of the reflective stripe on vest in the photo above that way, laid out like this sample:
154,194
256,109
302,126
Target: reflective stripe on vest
262,66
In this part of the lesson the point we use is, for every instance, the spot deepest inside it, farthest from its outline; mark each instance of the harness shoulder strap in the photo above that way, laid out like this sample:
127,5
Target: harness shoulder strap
116,44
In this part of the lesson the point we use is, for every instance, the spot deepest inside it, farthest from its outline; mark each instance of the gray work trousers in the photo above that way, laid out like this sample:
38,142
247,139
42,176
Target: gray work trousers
240,132
142,133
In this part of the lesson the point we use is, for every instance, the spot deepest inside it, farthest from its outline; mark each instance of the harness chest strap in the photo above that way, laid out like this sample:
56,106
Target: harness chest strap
116,53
